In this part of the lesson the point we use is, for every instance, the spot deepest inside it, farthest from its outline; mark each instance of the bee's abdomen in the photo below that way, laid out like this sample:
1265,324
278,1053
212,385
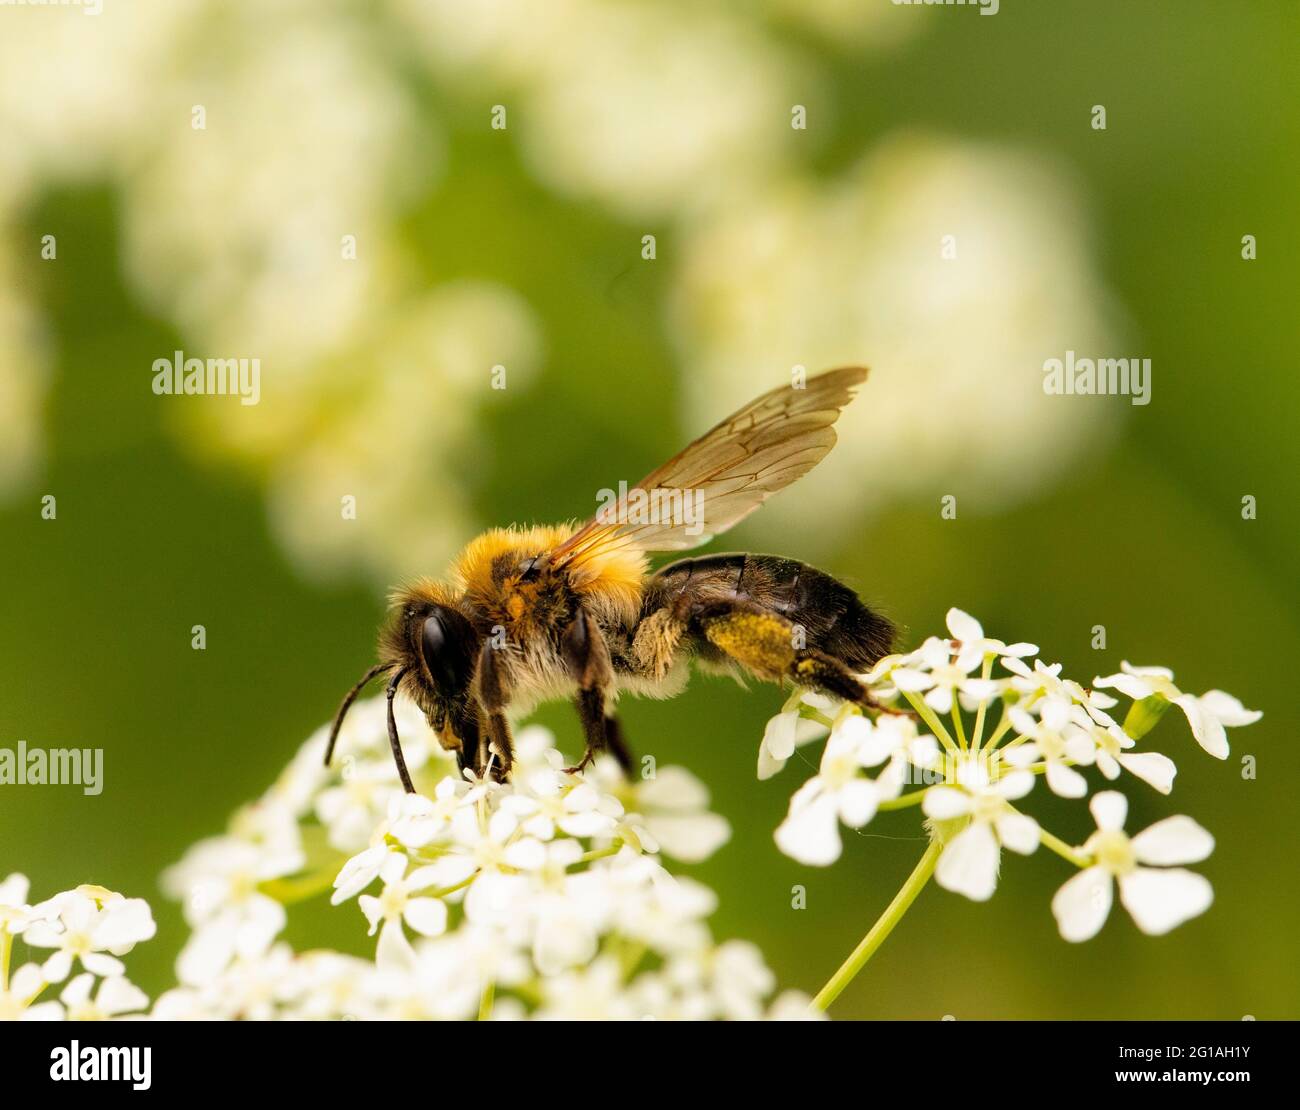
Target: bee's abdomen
832,616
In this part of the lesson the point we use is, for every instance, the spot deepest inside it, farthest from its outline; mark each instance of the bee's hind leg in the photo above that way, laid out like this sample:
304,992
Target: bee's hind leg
769,646
617,744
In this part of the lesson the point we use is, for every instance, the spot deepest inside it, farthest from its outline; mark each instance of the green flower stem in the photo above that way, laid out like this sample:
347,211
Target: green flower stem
957,725
1004,726
808,713
601,853
443,891
903,800
302,887
6,947
1062,849
486,1000
936,726
983,706
881,929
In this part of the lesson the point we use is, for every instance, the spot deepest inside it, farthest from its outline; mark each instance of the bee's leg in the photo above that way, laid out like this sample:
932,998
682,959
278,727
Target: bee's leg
587,657
496,738
769,646
617,744
462,735
501,744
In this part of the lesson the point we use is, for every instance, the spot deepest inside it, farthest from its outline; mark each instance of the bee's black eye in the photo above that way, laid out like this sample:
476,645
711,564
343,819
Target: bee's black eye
447,644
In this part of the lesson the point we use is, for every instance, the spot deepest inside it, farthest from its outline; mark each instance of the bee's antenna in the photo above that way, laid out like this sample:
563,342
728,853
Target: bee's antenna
392,732
349,698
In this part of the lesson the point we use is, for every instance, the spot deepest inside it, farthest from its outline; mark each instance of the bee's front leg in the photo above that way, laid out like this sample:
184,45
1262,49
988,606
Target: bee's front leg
493,697
587,656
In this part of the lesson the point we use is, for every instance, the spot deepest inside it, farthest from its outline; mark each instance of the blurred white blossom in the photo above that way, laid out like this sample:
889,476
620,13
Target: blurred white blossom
851,270
88,925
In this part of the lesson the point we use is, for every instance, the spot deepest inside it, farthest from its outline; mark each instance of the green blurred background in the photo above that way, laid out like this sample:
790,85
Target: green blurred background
160,527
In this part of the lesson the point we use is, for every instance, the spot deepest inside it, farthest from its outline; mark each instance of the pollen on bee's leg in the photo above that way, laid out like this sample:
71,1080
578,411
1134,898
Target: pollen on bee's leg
760,642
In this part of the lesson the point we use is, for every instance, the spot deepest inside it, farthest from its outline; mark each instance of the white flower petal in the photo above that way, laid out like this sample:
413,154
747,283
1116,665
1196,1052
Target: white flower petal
689,837
767,766
427,916
1153,768
1082,905
77,992
1109,810
1159,900
14,890
969,863
394,952
910,680
945,802
857,802
1065,782
673,788
373,908
124,923
1206,727
1173,840
1018,832
102,964
1015,785
1228,709
1016,667
1127,684
810,834
120,996
963,626
56,968
939,699
778,737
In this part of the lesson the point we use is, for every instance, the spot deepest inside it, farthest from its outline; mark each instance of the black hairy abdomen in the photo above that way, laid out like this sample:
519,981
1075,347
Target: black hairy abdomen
833,617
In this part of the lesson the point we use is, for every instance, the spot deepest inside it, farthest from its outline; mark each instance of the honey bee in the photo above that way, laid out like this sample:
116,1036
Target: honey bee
573,611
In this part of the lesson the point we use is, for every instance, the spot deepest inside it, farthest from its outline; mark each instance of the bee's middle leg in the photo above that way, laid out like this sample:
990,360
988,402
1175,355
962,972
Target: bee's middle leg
587,657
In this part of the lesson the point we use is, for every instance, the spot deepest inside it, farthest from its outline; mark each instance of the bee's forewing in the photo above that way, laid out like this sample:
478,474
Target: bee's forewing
727,473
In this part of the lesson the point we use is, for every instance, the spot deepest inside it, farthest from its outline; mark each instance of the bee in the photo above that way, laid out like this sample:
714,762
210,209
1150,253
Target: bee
573,611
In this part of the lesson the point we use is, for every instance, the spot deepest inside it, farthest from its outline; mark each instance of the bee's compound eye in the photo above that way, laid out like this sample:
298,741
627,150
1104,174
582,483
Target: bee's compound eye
447,644
434,639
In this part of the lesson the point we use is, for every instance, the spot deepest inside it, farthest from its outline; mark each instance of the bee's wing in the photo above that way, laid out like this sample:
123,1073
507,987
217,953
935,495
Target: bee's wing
729,471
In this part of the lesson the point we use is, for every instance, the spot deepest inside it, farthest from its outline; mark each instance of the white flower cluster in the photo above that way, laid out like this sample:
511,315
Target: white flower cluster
544,897
969,786
87,927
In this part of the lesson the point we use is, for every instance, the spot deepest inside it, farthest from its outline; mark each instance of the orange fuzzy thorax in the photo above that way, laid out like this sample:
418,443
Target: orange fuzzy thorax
610,577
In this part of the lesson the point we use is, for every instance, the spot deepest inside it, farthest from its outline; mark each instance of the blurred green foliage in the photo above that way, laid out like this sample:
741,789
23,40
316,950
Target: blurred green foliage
1146,538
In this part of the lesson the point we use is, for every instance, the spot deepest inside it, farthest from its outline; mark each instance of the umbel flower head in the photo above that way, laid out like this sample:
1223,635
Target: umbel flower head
989,721
544,897
88,925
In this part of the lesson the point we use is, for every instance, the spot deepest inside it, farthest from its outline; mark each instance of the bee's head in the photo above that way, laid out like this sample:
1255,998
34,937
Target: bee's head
427,649
431,640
